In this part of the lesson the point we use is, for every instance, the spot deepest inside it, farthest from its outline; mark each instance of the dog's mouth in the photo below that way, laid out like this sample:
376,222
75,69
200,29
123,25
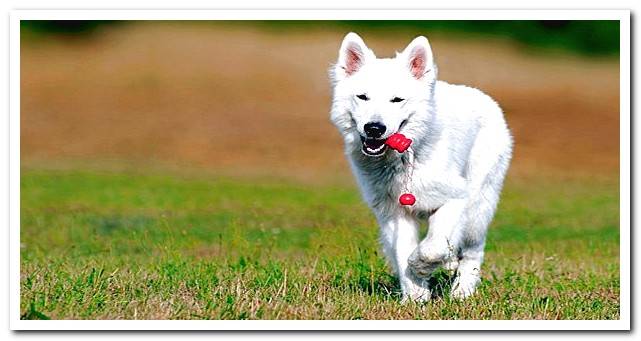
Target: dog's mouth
373,147
376,147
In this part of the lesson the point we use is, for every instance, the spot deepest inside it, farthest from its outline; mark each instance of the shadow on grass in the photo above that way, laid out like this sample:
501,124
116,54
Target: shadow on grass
368,274
387,286
441,283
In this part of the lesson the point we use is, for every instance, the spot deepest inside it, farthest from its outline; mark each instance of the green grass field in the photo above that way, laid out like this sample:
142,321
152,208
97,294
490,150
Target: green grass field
100,245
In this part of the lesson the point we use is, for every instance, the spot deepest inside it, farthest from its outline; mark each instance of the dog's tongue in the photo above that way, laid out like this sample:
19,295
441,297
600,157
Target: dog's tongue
398,142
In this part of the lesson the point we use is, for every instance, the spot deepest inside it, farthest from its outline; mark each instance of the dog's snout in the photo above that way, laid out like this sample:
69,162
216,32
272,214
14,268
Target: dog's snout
374,130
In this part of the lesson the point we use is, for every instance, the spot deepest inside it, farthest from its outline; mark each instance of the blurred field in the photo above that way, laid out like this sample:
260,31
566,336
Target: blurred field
190,171
253,101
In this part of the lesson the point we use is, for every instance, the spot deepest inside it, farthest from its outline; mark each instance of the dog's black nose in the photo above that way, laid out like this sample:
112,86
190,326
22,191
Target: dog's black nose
374,130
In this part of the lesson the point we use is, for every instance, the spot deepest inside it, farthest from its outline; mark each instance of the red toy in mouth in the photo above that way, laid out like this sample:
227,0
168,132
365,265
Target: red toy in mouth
377,147
398,142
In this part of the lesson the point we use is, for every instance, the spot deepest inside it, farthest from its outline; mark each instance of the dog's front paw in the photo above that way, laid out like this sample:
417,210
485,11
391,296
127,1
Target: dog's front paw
417,294
428,257
423,266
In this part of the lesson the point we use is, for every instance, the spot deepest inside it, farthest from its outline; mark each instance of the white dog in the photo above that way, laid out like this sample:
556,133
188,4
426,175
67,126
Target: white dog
461,149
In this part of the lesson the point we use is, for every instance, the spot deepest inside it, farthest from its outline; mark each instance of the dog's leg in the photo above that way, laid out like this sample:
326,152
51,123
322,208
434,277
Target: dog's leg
479,214
468,275
442,244
399,235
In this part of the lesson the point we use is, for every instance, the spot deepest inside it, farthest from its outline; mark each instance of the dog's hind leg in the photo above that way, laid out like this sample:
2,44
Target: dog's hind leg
468,274
479,216
479,213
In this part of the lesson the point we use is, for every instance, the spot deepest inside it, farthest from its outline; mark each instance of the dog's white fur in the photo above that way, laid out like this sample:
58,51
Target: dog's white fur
455,167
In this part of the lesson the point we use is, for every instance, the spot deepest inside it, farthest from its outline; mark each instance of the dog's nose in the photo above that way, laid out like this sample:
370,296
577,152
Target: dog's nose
374,130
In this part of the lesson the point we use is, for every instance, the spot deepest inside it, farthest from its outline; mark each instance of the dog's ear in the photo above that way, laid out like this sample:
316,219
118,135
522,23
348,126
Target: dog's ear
352,55
418,57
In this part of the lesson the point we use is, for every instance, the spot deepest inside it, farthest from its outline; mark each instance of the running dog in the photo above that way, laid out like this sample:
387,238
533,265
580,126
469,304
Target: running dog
454,168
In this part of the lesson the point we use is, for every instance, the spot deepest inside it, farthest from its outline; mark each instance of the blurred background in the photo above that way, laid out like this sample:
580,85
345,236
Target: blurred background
253,97
189,170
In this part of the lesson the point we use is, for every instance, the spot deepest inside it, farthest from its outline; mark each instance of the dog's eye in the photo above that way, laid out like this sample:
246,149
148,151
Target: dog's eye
397,99
363,97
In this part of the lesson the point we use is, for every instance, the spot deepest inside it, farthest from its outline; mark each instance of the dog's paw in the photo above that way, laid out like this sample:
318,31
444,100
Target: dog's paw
423,267
429,257
417,294
451,265
464,286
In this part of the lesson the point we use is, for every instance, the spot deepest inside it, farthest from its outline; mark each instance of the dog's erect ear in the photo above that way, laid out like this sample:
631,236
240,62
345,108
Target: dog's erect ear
418,56
352,55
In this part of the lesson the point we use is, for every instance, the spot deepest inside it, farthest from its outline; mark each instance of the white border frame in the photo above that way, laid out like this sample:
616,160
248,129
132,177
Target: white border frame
14,169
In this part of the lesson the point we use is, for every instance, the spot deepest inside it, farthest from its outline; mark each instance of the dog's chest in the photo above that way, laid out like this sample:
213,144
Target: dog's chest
384,181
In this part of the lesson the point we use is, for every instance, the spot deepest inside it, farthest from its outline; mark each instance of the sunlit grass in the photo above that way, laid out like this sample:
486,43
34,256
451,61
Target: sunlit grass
131,246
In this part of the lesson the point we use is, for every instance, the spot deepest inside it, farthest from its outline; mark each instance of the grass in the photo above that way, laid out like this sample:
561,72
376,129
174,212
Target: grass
143,246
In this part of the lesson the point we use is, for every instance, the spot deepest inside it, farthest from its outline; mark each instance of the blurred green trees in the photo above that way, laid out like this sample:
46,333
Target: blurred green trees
590,37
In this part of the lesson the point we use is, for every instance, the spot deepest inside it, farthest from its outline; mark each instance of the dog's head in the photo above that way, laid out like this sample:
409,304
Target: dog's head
377,97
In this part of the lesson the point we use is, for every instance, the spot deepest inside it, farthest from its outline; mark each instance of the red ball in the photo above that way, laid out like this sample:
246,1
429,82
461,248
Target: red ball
407,199
398,142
